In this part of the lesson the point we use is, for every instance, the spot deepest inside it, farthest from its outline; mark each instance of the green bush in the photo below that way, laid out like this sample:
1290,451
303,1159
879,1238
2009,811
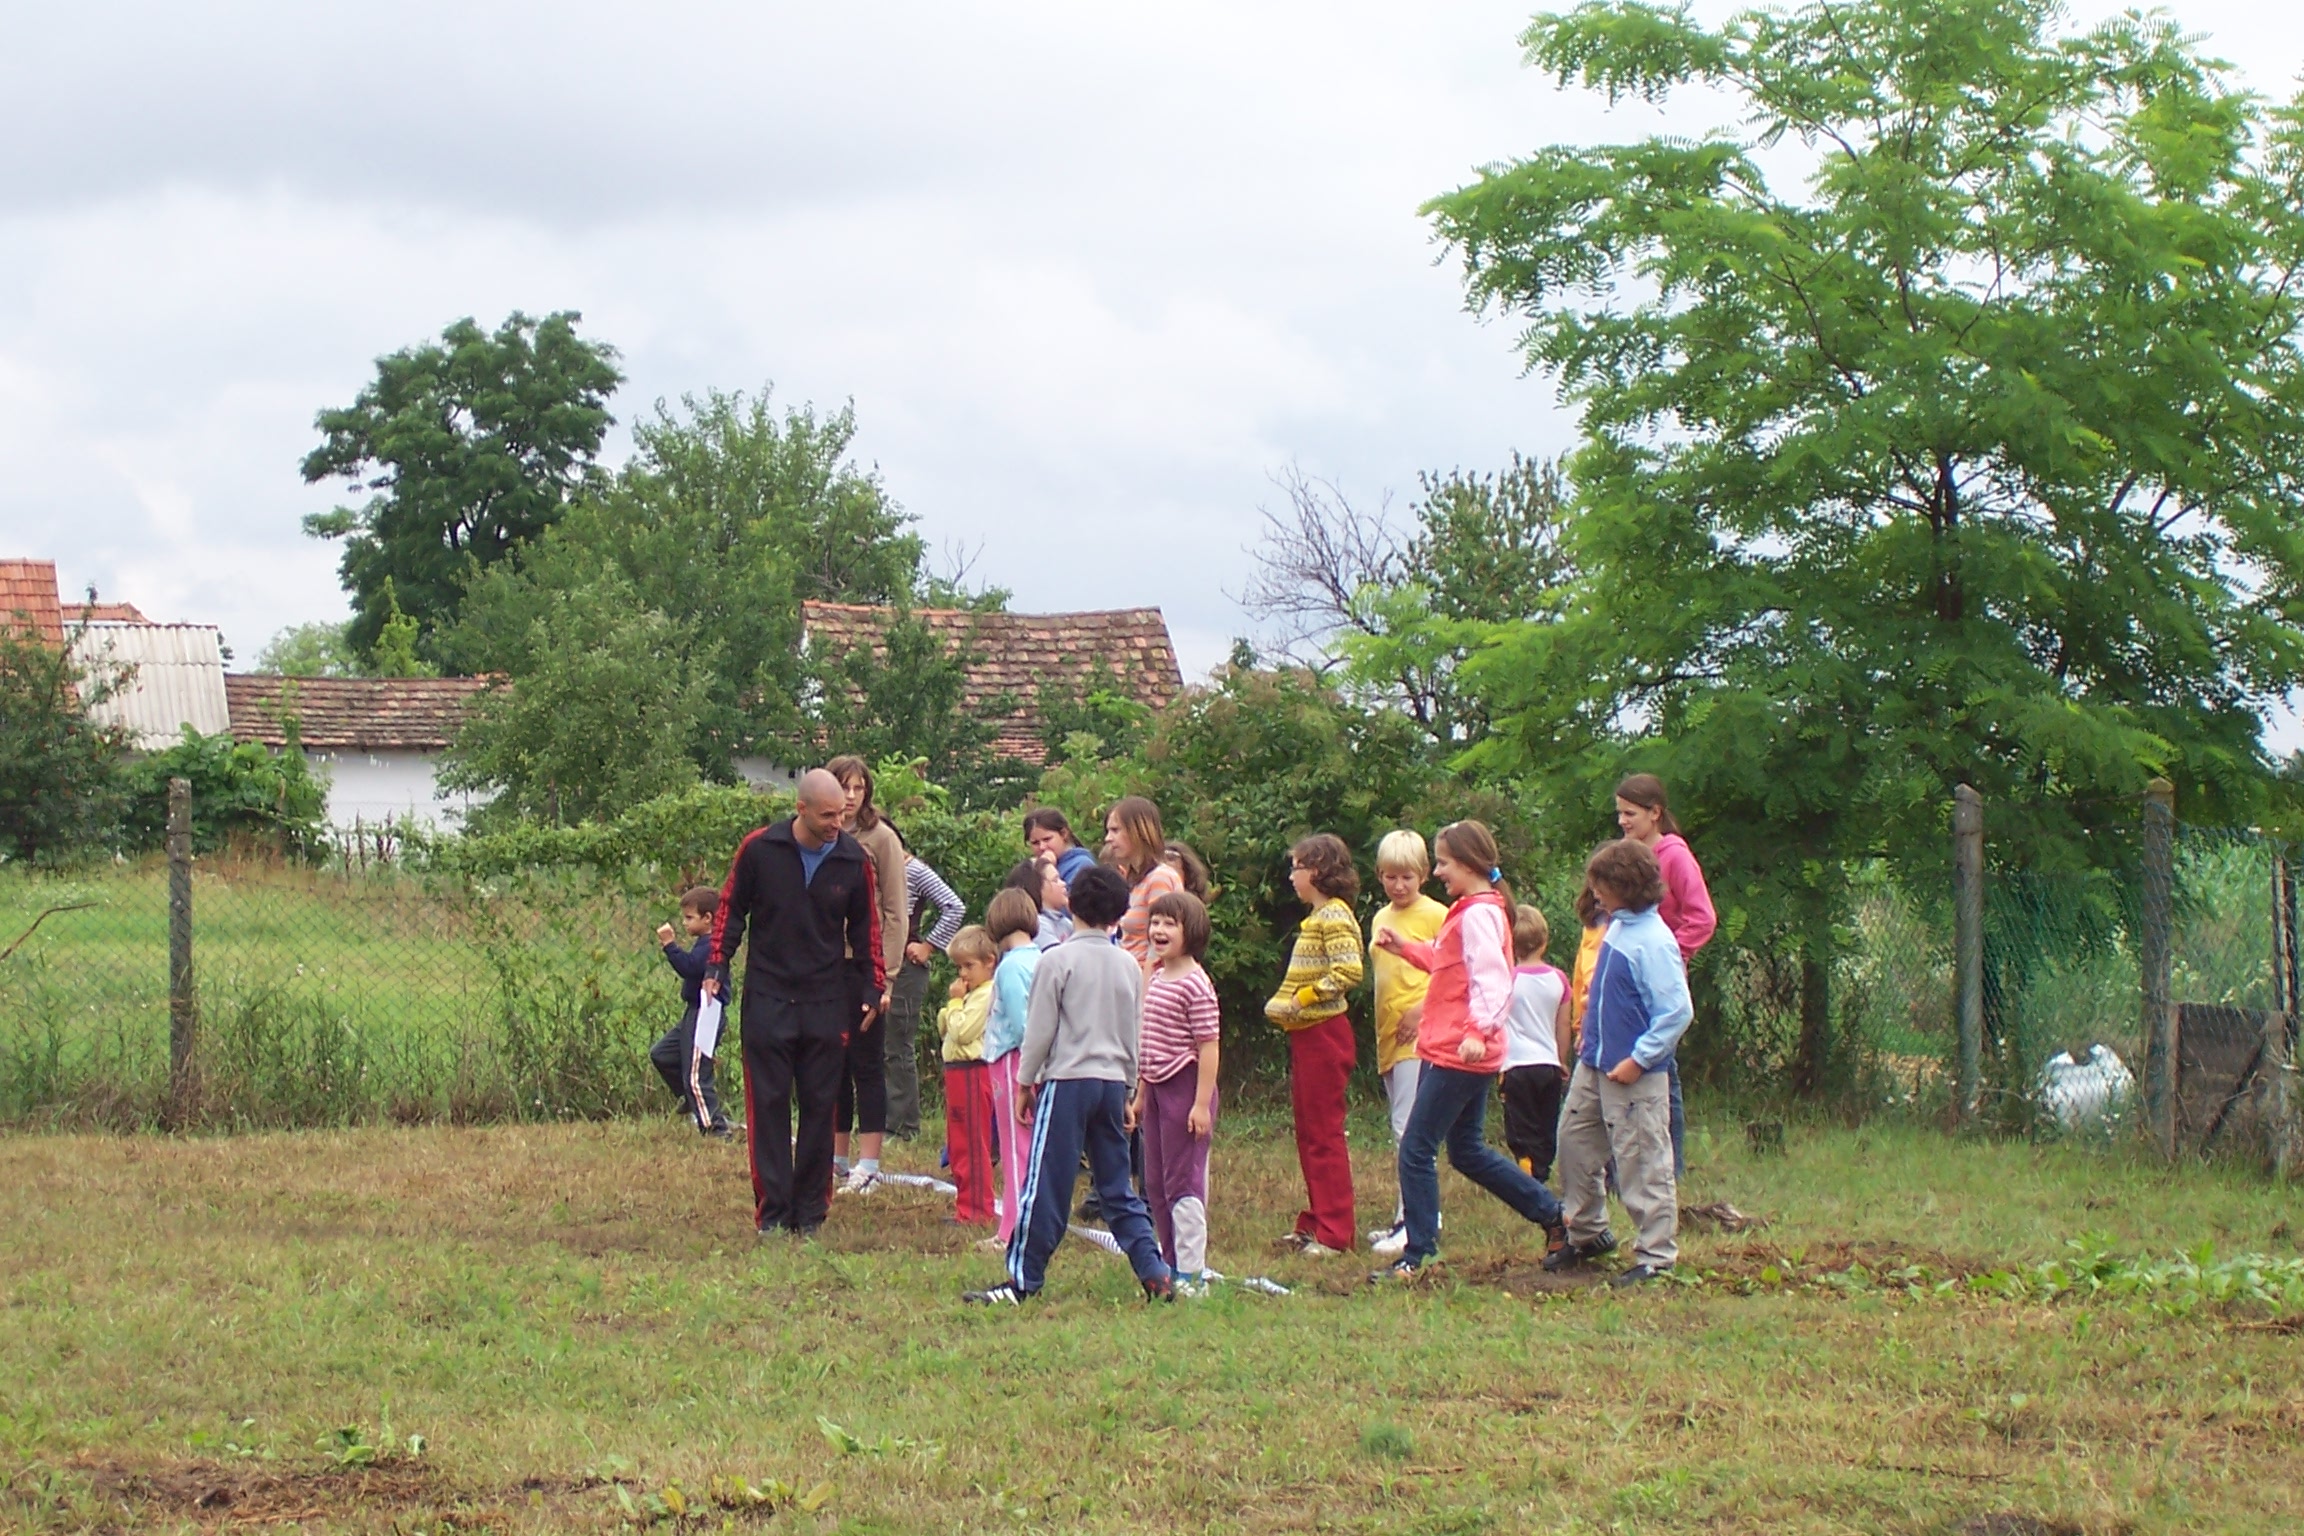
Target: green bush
240,791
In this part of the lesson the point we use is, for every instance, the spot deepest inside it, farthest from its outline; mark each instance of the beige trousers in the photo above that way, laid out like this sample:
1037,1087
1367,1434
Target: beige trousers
1634,1126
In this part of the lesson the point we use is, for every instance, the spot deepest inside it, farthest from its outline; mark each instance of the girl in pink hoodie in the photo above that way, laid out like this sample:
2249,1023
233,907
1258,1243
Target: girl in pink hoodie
1461,1042
1643,815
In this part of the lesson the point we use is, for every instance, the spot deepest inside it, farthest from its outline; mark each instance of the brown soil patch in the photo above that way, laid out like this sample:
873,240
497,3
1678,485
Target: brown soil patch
221,1496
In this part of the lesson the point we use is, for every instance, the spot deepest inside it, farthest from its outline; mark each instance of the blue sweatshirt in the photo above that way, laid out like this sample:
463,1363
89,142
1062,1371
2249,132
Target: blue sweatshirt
1638,1005
1071,861
690,964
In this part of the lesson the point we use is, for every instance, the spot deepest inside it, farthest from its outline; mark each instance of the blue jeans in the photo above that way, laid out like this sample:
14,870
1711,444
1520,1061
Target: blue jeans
1452,1110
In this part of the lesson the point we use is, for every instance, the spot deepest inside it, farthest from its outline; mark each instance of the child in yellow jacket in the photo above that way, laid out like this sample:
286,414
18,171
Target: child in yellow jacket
1324,967
967,1080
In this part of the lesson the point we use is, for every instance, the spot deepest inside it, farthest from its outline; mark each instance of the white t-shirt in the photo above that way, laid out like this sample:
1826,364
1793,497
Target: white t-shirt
1528,1037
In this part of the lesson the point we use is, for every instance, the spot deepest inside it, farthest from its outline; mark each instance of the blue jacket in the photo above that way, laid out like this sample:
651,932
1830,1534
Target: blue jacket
1071,861
1638,1005
1011,1000
691,963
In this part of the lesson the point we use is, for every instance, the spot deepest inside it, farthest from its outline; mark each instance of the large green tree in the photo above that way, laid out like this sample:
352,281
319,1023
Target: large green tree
730,513
1943,421
472,446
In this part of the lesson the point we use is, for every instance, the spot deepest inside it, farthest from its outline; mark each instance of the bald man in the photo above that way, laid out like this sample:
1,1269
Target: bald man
805,889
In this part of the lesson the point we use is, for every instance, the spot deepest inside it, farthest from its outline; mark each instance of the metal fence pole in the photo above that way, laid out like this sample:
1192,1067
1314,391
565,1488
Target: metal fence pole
1968,942
183,1005
2155,951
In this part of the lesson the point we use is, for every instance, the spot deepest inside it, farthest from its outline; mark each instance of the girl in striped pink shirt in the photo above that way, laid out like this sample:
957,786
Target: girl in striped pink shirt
1175,1099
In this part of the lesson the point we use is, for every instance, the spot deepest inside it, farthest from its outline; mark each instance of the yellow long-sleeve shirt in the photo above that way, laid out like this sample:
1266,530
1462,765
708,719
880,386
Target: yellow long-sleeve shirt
1323,968
962,1025
1399,985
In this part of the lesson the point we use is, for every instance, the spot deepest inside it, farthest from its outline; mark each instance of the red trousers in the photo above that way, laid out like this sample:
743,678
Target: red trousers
1320,1059
968,1138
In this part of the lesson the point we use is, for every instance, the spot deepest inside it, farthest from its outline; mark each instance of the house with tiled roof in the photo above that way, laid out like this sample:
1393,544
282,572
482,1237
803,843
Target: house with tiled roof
1013,656
379,739
170,675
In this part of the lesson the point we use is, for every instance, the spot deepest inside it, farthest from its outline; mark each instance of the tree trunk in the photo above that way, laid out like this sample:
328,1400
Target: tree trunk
1811,1062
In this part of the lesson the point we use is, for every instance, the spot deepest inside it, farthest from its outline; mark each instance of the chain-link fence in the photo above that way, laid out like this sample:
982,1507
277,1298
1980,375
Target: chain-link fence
330,997
367,992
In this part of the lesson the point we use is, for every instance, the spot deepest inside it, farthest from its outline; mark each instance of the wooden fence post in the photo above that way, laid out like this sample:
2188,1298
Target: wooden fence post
2156,951
2284,964
1968,942
183,1004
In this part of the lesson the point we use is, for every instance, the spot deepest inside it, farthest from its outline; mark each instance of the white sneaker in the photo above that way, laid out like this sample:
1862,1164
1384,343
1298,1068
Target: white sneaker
1315,1249
1390,1245
1191,1289
861,1181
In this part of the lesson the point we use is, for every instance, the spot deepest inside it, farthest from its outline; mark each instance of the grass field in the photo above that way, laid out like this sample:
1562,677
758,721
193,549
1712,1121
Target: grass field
580,1326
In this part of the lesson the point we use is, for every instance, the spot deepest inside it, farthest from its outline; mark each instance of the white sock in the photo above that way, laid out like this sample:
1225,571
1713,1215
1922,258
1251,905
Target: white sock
868,1165
840,1165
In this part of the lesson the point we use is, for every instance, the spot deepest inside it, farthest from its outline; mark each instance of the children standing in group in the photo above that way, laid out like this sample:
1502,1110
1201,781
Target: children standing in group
1175,1099
1535,1046
1402,867
688,1075
1461,1041
1619,1104
1009,922
1323,969
1076,1072
968,1123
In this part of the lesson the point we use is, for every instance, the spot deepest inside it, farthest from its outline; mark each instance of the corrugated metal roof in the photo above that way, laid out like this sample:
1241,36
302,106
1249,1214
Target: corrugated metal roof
179,679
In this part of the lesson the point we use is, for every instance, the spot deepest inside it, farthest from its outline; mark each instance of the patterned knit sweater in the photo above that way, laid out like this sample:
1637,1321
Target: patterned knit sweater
1322,970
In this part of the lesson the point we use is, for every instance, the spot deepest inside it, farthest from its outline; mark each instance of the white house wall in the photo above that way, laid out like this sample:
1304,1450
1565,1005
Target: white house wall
373,788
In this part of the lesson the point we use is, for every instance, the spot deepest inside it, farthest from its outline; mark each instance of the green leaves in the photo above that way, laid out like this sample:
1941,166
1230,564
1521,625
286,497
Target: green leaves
473,446
1966,459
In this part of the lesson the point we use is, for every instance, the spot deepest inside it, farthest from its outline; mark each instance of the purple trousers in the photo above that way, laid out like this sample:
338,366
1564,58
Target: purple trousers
1176,1170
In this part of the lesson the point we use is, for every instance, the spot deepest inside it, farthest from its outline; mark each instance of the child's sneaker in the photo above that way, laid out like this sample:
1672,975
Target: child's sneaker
1004,1294
860,1181
1574,1254
1192,1287
1313,1248
1159,1288
1641,1274
1291,1241
1399,1271
1389,1244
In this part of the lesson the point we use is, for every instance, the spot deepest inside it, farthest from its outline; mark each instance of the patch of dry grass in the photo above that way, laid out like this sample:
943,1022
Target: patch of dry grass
576,1317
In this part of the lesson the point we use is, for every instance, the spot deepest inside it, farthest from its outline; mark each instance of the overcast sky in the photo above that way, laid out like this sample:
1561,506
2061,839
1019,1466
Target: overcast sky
1091,274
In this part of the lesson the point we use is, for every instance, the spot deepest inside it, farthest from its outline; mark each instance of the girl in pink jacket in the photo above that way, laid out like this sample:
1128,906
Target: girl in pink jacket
1460,1040
1643,815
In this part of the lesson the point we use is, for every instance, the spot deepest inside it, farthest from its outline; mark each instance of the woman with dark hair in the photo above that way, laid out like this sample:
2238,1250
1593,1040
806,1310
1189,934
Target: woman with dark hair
1048,833
1644,816
1311,1006
1134,843
863,1101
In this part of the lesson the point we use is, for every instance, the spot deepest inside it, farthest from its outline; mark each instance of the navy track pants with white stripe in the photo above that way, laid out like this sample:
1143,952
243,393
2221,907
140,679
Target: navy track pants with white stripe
1076,1114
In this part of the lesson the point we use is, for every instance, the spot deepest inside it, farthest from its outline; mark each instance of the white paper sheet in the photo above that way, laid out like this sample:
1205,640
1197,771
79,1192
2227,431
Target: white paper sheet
708,1027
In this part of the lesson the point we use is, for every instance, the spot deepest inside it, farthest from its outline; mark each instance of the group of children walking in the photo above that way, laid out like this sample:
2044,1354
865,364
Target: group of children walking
1081,1029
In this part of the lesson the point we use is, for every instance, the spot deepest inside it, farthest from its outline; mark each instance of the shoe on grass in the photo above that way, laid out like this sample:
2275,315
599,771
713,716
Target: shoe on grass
1555,1238
1390,1243
1640,1274
1159,1288
860,1181
1291,1241
1313,1248
1398,1271
1571,1255
1004,1294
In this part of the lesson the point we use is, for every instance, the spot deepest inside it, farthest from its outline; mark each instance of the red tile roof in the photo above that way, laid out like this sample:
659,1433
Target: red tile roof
371,713
110,613
1018,652
28,599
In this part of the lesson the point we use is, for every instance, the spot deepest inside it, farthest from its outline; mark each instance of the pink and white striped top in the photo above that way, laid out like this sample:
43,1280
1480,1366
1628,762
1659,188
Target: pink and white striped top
1179,1018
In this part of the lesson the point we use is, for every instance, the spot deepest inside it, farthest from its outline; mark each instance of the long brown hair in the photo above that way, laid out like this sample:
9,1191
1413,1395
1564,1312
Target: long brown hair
1140,824
847,769
1646,791
1472,845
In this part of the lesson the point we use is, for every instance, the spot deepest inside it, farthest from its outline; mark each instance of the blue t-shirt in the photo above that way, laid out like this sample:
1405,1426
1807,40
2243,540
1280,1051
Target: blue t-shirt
812,859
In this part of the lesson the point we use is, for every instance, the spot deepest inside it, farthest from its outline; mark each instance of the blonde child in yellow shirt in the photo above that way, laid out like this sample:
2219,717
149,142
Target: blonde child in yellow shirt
1403,866
967,1080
